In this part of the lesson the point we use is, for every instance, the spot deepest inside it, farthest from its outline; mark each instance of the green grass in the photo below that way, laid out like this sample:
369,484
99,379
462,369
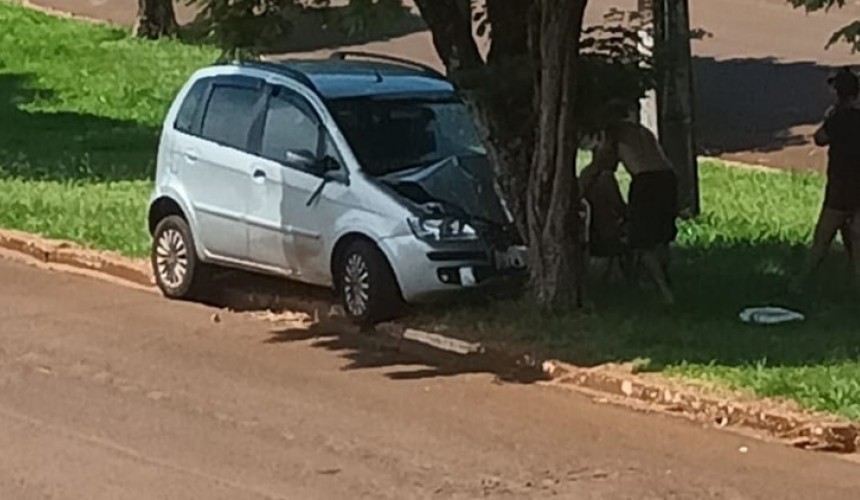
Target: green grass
80,107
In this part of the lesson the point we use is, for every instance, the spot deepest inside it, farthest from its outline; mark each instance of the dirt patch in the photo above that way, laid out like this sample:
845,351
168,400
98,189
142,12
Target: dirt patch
315,310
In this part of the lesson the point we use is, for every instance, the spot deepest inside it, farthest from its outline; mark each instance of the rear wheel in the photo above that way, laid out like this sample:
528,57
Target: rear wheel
178,272
366,285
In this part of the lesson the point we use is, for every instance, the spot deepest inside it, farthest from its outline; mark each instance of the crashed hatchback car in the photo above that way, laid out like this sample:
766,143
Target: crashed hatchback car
359,172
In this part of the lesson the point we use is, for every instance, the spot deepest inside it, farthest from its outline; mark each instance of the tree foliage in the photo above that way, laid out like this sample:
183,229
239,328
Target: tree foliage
848,34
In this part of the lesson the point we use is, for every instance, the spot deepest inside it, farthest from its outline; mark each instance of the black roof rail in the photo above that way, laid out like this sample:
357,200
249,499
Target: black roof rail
344,54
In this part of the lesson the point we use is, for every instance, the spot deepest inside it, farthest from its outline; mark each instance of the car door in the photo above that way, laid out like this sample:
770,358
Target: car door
216,164
293,213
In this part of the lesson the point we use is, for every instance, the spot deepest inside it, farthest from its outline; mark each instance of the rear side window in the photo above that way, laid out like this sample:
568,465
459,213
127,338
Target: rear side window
189,113
230,114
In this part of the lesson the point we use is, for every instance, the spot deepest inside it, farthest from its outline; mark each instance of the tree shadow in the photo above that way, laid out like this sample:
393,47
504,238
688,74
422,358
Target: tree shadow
66,146
313,29
403,359
712,285
745,105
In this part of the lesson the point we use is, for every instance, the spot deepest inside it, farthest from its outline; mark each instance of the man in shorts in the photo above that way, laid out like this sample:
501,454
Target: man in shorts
652,202
841,210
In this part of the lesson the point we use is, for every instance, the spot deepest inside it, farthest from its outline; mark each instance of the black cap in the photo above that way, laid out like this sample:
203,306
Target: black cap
845,83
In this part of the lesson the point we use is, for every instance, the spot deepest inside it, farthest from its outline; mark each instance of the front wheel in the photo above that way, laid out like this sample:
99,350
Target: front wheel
366,285
178,272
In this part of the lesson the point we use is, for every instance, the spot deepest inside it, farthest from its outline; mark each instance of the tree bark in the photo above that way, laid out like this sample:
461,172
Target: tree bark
450,23
553,225
155,19
527,124
504,118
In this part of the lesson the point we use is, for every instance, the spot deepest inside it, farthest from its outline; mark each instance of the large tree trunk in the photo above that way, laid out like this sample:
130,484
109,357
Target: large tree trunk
530,73
155,19
553,225
502,107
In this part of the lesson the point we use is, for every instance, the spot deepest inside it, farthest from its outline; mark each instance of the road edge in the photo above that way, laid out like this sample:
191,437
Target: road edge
609,384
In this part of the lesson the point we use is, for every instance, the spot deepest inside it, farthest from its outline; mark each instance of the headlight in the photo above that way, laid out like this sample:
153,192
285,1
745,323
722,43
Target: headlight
442,229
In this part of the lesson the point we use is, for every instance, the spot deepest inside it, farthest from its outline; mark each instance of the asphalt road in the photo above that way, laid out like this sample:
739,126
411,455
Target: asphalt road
108,392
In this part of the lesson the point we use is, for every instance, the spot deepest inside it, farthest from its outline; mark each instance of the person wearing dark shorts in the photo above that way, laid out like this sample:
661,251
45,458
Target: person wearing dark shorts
653,208
841,208
652,204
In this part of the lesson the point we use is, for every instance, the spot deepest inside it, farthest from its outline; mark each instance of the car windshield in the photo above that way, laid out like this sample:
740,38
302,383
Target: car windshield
393,135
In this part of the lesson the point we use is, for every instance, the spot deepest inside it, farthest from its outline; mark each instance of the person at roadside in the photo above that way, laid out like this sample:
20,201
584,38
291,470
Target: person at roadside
599,187
652,202
840,132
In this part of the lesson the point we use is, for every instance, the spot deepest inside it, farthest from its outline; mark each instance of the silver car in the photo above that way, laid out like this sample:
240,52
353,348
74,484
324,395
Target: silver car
361,172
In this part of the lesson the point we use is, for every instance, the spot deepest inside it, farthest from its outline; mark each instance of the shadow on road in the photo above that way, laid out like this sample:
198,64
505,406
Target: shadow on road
407,360
747,105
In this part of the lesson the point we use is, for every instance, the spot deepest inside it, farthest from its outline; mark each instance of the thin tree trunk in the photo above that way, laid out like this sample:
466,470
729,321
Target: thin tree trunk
155,19
553,226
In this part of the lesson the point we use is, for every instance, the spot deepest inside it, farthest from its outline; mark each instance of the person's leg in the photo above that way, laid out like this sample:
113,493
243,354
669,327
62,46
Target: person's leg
852,244
652,261
829,223
848,234
664,253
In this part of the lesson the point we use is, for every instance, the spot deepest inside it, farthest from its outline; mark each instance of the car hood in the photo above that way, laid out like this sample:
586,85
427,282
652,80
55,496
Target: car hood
461,185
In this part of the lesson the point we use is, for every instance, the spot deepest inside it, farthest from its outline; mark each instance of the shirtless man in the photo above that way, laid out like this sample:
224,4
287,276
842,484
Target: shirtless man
652,200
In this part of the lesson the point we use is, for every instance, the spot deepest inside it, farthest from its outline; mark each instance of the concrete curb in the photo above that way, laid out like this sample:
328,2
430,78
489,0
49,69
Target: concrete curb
63,253
609,383
801,430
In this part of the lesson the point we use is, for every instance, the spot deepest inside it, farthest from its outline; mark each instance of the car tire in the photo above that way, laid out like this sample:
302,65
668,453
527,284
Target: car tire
178,271
366,285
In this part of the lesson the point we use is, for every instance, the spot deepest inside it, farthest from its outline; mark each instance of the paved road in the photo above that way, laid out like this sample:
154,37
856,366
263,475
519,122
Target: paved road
760,77
108,393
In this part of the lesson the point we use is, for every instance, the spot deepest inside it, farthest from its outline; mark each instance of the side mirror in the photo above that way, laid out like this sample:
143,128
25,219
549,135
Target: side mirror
300,158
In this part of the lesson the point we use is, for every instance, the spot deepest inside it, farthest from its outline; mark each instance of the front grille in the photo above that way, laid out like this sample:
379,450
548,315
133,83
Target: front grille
456,256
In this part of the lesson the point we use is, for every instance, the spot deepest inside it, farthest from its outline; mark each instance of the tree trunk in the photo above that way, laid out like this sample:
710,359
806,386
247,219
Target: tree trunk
553,225
155,19
505,117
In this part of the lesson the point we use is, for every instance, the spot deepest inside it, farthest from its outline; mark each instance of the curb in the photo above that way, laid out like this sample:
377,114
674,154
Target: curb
76,256
801,430
608,383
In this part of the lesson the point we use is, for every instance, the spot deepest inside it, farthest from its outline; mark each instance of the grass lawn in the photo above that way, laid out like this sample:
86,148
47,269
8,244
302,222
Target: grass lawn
80,107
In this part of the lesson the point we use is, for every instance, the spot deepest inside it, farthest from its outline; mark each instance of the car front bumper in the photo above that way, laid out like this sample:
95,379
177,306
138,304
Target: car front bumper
427,272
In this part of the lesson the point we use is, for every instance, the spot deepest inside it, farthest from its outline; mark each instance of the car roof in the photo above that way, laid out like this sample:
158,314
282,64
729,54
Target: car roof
337,77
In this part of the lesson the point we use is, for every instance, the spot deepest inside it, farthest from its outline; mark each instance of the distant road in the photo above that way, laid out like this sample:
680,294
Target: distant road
759,79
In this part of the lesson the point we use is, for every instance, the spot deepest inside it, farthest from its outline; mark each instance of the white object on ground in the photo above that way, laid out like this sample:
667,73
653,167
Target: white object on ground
770,315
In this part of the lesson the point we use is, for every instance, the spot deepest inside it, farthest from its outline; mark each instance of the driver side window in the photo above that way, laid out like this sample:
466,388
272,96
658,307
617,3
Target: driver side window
291,126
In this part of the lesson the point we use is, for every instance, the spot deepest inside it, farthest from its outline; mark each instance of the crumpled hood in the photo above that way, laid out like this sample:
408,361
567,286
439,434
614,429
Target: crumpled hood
464,184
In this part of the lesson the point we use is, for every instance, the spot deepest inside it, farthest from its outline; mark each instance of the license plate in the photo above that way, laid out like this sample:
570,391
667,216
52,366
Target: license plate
512,258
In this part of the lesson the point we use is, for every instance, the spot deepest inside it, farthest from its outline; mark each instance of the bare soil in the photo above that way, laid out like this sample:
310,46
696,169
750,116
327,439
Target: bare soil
109,392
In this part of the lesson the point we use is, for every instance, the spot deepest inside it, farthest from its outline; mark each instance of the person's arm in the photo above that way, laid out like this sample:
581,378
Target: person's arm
821,137
587,177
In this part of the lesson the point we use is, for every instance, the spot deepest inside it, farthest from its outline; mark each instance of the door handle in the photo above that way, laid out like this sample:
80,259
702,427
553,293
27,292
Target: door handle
259,175
191,156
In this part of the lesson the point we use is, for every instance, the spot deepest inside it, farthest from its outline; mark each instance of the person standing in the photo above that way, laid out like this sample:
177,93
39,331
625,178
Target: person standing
840,132
652,201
